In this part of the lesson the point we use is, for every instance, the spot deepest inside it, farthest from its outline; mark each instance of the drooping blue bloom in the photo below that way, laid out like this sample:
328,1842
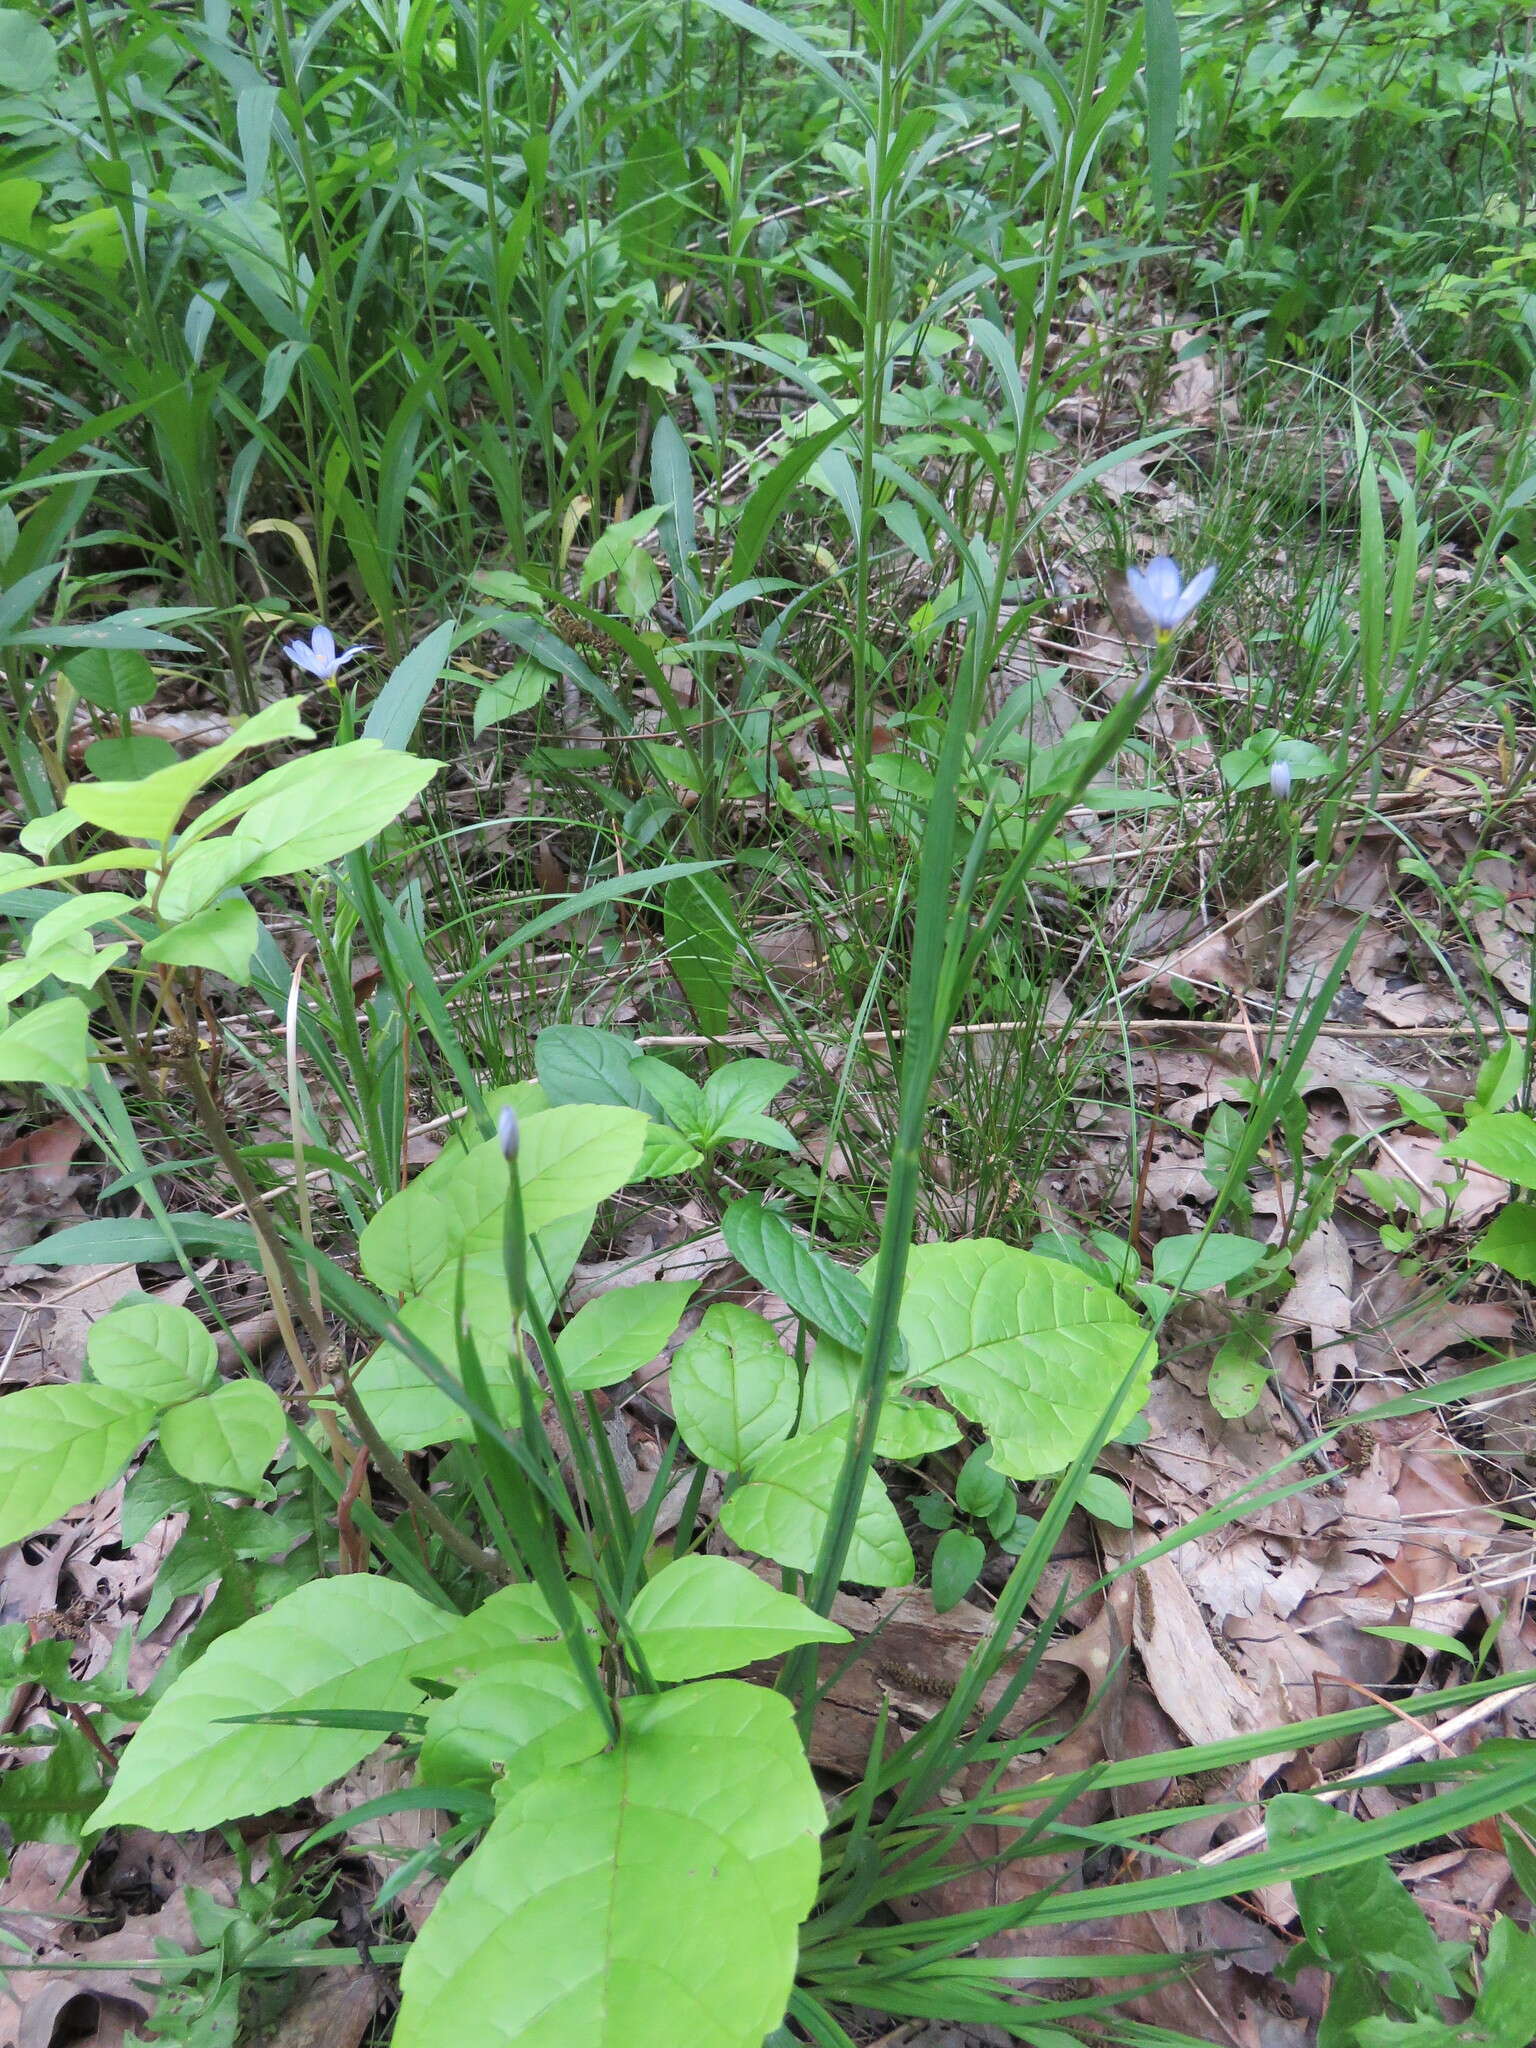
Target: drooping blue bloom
1163,594
318,656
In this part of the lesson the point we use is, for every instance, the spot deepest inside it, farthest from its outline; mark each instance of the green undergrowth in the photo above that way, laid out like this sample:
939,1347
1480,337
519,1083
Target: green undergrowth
730,818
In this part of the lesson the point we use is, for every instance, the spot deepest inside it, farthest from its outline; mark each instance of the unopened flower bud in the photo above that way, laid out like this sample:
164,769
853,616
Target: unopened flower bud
1280,779
506,1134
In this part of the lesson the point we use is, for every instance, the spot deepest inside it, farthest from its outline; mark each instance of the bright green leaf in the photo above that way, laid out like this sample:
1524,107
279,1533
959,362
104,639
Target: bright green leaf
1025,1346
700,1615
49,1045
149,809
1509,1242
60,1446
510,1724
1196,1264
782,1512
154,1349
228,1438
734,1388
333,1644
223,937
609,1338
645,1897
1503,1144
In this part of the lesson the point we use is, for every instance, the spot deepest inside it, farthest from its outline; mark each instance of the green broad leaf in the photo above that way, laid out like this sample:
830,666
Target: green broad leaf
516,1625
981,1487
525,684
48,1045
149,808
1239,1373
1195,1264
225,1439
1106,1500
578,1063
224,937
782,1512
734,1388
60,1446
1505,2014
701,1615
1509,1242
324,805
641,1898
52,1800
957,1561
129,757
700,930
1026,1347
613,547
510,1725
908,1429
409,1410
1356,1913
154,1349
735,1095
333,1644
666,1153
1504,1144
115,679
609,1338
670,1091
569,1159
825,1294
29,61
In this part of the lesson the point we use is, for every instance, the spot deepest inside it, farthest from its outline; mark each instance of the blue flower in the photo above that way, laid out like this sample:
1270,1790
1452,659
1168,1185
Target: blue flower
1163,594
317,655
507,1133
1280,779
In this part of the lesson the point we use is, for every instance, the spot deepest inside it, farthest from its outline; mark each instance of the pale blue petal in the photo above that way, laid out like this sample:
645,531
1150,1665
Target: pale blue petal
1163,583
302,656
1194,590
323,641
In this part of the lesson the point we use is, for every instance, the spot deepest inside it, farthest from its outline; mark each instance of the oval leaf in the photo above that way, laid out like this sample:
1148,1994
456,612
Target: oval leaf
706,1614
609,1338
642,1898
733,1388
61,1445
228,1438
783,1512
154,1349
1026,1346
334,1644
